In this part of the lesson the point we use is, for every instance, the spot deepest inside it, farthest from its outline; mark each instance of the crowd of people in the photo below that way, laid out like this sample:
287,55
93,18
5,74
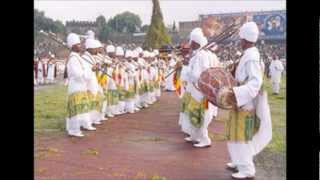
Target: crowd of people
45,70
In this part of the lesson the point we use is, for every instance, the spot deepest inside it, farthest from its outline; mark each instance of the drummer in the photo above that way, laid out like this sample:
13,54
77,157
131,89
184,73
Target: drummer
193,100
243,124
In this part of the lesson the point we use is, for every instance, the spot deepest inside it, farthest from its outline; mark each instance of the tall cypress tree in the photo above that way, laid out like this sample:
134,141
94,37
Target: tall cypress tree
157,34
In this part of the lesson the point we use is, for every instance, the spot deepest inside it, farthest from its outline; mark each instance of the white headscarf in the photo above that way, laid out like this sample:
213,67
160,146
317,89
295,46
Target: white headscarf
119,51
91,43
90,34
110,49
128,53
197,36
73,39
249,31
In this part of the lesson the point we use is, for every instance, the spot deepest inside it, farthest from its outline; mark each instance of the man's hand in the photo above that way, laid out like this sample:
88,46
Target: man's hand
231,99
95,67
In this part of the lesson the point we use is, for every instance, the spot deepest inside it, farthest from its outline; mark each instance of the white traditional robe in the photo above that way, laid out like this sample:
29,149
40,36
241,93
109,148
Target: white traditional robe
169,79
50,75
250,73
199,63
129,82
276,69
78,76
93,85
40,73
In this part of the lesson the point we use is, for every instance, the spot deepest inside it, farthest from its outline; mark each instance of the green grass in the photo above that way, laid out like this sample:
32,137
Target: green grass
50,108
278,115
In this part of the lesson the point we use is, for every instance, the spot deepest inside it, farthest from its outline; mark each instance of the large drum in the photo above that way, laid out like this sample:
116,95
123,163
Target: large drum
214,83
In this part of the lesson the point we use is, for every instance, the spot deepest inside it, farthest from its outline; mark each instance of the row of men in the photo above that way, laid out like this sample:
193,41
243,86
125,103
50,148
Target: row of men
247,132
44,71
101,86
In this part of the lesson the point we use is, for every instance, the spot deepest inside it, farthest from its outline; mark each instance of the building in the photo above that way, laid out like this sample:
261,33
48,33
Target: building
186,27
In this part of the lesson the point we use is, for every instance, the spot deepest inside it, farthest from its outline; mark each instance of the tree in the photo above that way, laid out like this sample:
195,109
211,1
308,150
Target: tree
41,22
102,28
145,28
157,34
125,22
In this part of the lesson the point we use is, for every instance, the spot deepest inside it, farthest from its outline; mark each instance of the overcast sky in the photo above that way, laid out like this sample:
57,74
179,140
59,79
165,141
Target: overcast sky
172,10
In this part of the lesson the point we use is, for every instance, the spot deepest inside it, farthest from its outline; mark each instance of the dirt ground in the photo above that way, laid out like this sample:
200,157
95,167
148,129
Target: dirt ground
144,145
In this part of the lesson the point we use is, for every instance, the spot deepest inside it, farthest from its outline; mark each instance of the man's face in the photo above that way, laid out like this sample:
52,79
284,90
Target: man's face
243,43
76,48
92,51
111,54
194,45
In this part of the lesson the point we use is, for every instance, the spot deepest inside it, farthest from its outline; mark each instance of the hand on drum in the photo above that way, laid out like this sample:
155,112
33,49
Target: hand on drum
231,99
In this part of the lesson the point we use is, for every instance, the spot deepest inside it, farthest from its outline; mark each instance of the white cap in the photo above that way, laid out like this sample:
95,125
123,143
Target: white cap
135,54
91,43
156,51
145,54
238,53
119,51
152,54
73,39
99,43
110,49
197,36
90,34
128,53
139,49
249,31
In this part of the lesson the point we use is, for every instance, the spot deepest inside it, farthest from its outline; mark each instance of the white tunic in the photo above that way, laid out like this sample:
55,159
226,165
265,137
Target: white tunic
276,69
93,84
51,68
78,74
169,80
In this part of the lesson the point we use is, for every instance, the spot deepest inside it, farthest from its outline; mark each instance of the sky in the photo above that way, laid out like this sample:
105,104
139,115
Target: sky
172,10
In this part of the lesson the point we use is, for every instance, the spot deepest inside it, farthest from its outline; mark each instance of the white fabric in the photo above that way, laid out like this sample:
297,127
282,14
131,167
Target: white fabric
50,75
91,43
197,36
128,53
276,69
119,51
78,74
249,31
250,72
110,49
72,39
199,63
169,80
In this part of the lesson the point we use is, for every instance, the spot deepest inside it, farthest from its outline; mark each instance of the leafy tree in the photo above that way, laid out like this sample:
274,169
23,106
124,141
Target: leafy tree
145,28
125,22
157,33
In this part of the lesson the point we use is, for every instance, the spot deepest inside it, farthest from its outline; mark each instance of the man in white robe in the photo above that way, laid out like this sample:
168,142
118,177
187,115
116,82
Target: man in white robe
93,86
78,100
169,79
248,132
200,61
112,101
276,69
51,66
120,80
129,82
41,72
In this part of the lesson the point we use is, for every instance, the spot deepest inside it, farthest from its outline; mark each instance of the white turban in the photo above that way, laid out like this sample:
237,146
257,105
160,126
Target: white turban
99,44
73,39
91,43
156,52
119,51
197,36
110,49
139,49
249,31
152,54
145,54
90,34
135,54
128,53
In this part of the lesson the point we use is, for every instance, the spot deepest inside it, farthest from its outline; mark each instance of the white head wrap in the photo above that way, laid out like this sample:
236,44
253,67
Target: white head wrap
128,53
156,52
90,34
135,54
249,31
73,39
119,51
91,43
197,36
139,49
110,49
99,44
145,54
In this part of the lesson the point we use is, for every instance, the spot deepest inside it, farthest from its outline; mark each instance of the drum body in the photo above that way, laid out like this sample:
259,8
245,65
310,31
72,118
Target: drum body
215,84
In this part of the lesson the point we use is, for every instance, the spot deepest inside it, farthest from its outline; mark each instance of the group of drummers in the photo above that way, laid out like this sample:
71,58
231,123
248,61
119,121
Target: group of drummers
102,85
